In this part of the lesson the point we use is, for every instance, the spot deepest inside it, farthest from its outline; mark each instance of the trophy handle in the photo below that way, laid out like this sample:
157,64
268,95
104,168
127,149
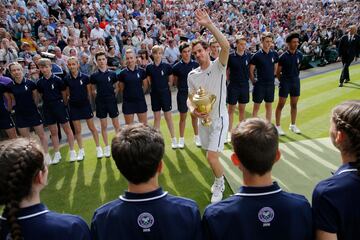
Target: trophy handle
213,99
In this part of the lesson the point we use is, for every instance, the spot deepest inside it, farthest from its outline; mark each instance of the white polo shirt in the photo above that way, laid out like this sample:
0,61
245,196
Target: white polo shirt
213,80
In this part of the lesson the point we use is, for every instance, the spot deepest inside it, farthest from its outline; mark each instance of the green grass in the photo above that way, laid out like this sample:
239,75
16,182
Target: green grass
80,188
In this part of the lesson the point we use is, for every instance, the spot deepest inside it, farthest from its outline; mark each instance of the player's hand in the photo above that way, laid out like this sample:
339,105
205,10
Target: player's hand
198,114
202,17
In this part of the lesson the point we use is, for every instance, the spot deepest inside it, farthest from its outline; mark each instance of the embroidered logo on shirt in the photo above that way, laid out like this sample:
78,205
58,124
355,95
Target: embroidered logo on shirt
52,86
246,62
266,215
26,88
272,60
138,75
208,73
81,82
109,79
145,221
162,73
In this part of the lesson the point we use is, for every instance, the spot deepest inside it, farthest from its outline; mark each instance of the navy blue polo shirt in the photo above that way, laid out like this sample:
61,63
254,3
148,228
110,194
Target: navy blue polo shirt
265,66
181,71
133,82
239,69
259,213
51,88
290,64
37,222
23,94
3,89
335,203
159,76
78,88
104,82
153,215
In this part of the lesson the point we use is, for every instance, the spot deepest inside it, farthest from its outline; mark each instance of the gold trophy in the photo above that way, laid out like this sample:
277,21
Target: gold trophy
203,102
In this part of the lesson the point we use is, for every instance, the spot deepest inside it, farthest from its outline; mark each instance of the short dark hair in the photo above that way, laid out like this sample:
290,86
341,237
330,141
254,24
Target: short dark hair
291,36
100,53
137,150
255,143
183,45
203,43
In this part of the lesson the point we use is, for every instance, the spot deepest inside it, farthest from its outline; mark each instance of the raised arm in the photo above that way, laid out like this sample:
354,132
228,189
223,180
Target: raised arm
204,20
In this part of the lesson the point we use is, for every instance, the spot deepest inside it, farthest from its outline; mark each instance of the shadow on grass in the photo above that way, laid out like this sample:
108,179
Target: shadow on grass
204,169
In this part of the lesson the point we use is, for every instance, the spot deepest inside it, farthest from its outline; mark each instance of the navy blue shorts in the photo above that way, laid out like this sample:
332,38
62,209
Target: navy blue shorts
6,121
134,107
106,106
181,99
28,119
286,88
263,93
161,101
55,112
80,112
237,95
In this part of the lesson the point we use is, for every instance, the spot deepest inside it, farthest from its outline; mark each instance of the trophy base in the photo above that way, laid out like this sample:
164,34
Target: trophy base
206,122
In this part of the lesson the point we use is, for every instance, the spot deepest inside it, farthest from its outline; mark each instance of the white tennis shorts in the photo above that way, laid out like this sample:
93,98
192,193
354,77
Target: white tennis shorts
213,137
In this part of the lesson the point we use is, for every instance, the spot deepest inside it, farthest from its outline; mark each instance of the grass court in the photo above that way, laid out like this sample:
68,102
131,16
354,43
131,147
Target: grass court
80,188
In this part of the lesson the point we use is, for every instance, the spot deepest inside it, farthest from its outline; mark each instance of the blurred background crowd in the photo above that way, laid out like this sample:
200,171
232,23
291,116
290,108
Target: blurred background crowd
63,28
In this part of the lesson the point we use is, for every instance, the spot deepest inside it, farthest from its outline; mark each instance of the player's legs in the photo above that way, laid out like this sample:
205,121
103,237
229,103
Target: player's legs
169,123
116,124
231,110
182,124
157,118
142,117
54,136
39,130
256,109
93,130
69,134
78,137
129,118
279,107
268,111
241,112
214,162
293,107
24,132
194,122
103,126
11,132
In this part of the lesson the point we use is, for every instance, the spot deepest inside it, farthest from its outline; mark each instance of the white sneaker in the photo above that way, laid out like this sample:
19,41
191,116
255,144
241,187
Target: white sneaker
218,181
181,143
217,189
280,131
174,143
73,156
107,151
47,159
81,155
197,141
294,129
99,152
56,159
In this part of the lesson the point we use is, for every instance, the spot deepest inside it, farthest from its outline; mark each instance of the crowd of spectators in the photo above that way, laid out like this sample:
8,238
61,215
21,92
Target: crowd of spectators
68,28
